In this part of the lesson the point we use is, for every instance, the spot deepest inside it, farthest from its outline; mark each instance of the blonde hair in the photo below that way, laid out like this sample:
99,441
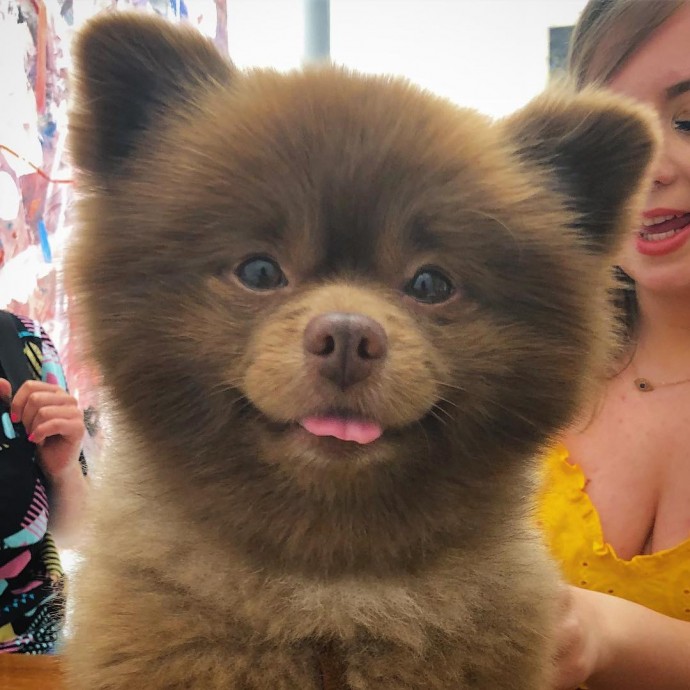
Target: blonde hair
606,35
609,32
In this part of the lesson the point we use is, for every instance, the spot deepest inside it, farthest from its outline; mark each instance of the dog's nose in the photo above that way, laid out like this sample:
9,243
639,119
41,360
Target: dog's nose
345,348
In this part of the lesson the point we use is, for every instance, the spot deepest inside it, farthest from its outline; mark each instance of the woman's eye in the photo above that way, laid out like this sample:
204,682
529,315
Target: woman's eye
430,286
261,273
682,123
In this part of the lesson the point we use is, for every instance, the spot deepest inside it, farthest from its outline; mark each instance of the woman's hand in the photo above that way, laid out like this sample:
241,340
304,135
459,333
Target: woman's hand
53,421
609,643
581,637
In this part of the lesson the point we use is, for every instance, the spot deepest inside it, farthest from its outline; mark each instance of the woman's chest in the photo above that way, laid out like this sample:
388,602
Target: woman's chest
636,457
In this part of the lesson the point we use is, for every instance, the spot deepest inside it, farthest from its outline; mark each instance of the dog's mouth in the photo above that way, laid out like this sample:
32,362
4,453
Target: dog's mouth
337,424
344,428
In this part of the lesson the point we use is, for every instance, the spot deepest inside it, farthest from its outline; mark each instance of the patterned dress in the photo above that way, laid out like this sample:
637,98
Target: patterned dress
31,577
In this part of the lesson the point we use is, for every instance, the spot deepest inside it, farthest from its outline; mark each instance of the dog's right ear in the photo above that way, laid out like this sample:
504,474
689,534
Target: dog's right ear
129,70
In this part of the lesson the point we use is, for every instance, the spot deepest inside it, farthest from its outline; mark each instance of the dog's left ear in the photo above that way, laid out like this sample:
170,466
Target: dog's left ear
593,147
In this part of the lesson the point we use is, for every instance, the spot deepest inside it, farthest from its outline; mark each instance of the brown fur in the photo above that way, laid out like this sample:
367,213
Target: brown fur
228,547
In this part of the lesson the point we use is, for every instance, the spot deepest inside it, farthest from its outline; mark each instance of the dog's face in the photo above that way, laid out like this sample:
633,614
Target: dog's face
330,292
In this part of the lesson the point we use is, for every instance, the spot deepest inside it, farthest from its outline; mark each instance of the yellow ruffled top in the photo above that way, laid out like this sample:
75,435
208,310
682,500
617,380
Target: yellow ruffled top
659,581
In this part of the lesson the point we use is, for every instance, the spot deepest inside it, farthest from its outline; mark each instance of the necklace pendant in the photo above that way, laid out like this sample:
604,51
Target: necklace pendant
643,385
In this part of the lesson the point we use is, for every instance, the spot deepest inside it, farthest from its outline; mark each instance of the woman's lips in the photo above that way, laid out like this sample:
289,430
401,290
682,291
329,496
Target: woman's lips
664,232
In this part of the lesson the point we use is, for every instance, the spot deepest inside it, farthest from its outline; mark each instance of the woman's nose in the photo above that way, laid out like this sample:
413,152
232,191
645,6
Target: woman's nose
665,170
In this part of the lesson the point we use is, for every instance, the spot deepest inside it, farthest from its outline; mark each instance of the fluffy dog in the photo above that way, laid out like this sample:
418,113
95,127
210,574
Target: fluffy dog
340,319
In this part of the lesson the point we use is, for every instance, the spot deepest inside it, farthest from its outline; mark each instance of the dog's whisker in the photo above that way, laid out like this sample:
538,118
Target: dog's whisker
433,412
445,401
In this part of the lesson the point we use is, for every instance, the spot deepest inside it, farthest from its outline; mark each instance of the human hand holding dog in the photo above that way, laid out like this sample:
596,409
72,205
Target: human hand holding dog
609,643
55,423
581,648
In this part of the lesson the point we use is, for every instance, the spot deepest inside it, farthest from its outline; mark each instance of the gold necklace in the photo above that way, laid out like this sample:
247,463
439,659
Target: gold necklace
646,386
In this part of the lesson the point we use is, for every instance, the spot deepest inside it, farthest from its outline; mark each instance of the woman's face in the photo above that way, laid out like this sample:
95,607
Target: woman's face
658,74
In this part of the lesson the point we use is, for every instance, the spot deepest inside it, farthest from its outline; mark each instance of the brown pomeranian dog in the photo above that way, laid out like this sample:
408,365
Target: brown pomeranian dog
340,319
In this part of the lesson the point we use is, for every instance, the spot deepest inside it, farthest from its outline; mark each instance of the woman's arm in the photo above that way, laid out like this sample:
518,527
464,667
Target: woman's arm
613,644
69,493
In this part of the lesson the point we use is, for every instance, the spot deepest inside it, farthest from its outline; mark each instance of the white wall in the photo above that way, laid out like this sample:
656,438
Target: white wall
488,54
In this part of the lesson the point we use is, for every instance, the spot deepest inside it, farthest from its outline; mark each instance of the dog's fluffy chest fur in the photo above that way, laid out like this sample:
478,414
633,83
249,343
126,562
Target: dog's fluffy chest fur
442,598
413,631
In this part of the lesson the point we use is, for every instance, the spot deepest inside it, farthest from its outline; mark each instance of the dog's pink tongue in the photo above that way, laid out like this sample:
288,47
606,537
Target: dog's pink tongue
344,429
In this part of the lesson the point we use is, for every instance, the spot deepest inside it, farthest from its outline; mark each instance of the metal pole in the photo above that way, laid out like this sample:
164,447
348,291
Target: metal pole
317,31
221,39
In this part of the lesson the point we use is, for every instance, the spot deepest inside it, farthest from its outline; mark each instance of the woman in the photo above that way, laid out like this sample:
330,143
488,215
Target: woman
617,507
42,486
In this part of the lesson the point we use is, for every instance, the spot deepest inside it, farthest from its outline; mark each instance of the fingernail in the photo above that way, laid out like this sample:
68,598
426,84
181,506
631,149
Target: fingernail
14,417
31,438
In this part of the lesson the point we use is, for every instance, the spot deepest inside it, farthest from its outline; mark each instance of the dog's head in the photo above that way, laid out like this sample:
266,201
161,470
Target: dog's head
332,298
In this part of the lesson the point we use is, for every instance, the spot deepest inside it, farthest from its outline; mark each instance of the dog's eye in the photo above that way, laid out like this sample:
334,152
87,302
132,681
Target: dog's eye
261,273
430,286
